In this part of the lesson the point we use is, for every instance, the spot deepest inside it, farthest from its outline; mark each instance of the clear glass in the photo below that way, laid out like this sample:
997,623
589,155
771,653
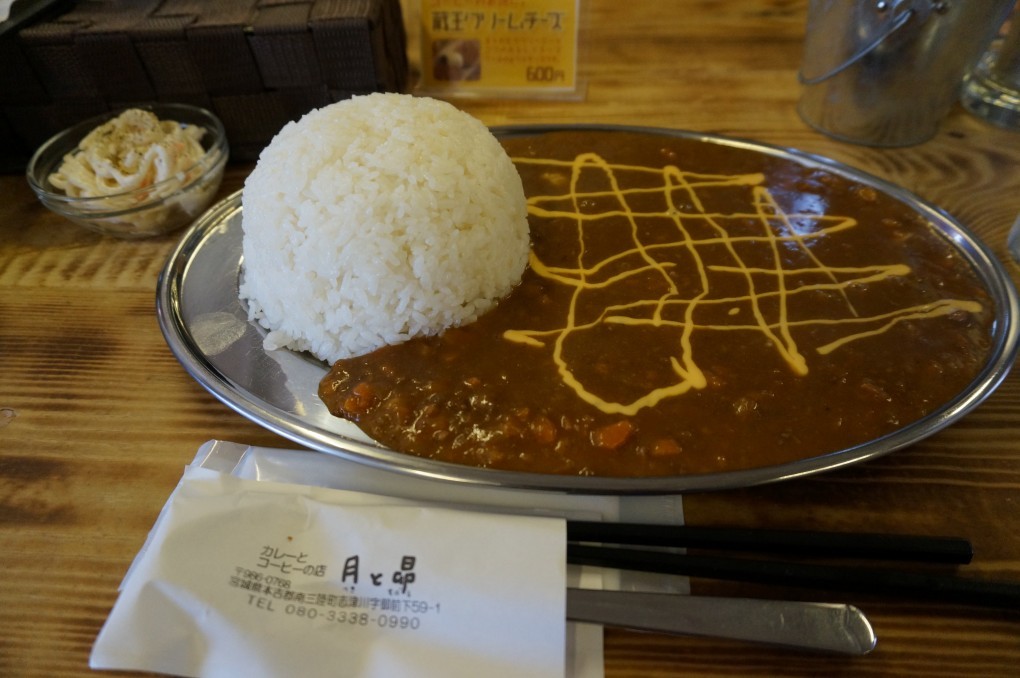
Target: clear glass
143,212
992,90
1013,241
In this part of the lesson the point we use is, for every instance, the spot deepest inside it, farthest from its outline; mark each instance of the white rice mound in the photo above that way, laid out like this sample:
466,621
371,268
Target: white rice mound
377,219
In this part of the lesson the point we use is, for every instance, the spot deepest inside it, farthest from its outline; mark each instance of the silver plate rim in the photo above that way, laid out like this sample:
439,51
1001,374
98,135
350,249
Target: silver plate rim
179,333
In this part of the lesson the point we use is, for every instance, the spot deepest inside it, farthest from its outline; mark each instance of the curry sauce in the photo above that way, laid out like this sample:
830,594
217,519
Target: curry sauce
689,307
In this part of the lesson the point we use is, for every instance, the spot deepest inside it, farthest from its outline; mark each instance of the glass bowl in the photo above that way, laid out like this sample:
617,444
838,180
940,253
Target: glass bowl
146,211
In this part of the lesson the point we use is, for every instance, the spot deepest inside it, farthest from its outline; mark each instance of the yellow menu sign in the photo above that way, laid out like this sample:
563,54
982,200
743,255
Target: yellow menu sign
499,46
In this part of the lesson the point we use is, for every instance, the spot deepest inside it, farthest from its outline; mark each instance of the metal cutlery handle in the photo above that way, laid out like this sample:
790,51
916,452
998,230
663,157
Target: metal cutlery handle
815,626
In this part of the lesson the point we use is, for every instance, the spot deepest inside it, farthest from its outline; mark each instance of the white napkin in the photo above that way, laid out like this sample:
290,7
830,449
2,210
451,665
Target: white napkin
248,571
257,578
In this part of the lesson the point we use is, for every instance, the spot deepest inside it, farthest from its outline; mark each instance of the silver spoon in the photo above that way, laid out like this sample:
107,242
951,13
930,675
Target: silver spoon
827,627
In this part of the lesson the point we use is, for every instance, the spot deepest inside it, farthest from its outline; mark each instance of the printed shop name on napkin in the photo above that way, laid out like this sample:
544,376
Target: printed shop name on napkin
255,578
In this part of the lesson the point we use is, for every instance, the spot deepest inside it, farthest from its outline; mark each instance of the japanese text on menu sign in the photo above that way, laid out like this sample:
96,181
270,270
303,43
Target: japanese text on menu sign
500,46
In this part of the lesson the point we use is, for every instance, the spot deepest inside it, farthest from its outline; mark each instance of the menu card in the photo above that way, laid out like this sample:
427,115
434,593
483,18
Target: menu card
522,48
262,578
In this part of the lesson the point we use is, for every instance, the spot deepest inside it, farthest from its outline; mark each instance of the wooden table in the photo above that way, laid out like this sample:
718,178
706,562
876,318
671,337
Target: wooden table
97,418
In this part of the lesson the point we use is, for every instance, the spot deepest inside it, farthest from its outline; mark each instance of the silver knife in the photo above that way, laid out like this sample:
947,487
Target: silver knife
827,627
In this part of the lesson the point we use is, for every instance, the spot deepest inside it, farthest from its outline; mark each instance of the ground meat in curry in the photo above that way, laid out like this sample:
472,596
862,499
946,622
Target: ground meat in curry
690,307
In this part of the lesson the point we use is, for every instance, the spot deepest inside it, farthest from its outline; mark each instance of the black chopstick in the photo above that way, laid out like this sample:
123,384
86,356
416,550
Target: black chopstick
867,546
916,585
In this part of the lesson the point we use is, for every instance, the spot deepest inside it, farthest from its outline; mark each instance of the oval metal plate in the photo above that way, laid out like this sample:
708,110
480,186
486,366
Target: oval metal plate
207,329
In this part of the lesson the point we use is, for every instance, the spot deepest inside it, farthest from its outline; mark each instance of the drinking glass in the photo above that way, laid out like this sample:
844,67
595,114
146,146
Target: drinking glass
992,90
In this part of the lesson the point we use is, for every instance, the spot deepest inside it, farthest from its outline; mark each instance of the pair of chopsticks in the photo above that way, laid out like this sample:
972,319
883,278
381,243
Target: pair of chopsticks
603,545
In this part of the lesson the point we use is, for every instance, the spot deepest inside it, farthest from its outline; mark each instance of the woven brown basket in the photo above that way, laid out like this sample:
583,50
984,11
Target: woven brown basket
257,64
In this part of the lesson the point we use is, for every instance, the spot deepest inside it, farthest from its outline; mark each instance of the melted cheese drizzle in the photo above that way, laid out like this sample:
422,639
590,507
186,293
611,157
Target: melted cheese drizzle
777,232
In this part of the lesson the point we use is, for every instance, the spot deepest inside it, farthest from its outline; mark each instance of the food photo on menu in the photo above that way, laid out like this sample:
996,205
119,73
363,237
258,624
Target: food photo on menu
462,349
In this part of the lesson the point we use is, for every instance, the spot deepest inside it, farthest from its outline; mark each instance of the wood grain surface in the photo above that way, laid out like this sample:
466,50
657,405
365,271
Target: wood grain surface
98,419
